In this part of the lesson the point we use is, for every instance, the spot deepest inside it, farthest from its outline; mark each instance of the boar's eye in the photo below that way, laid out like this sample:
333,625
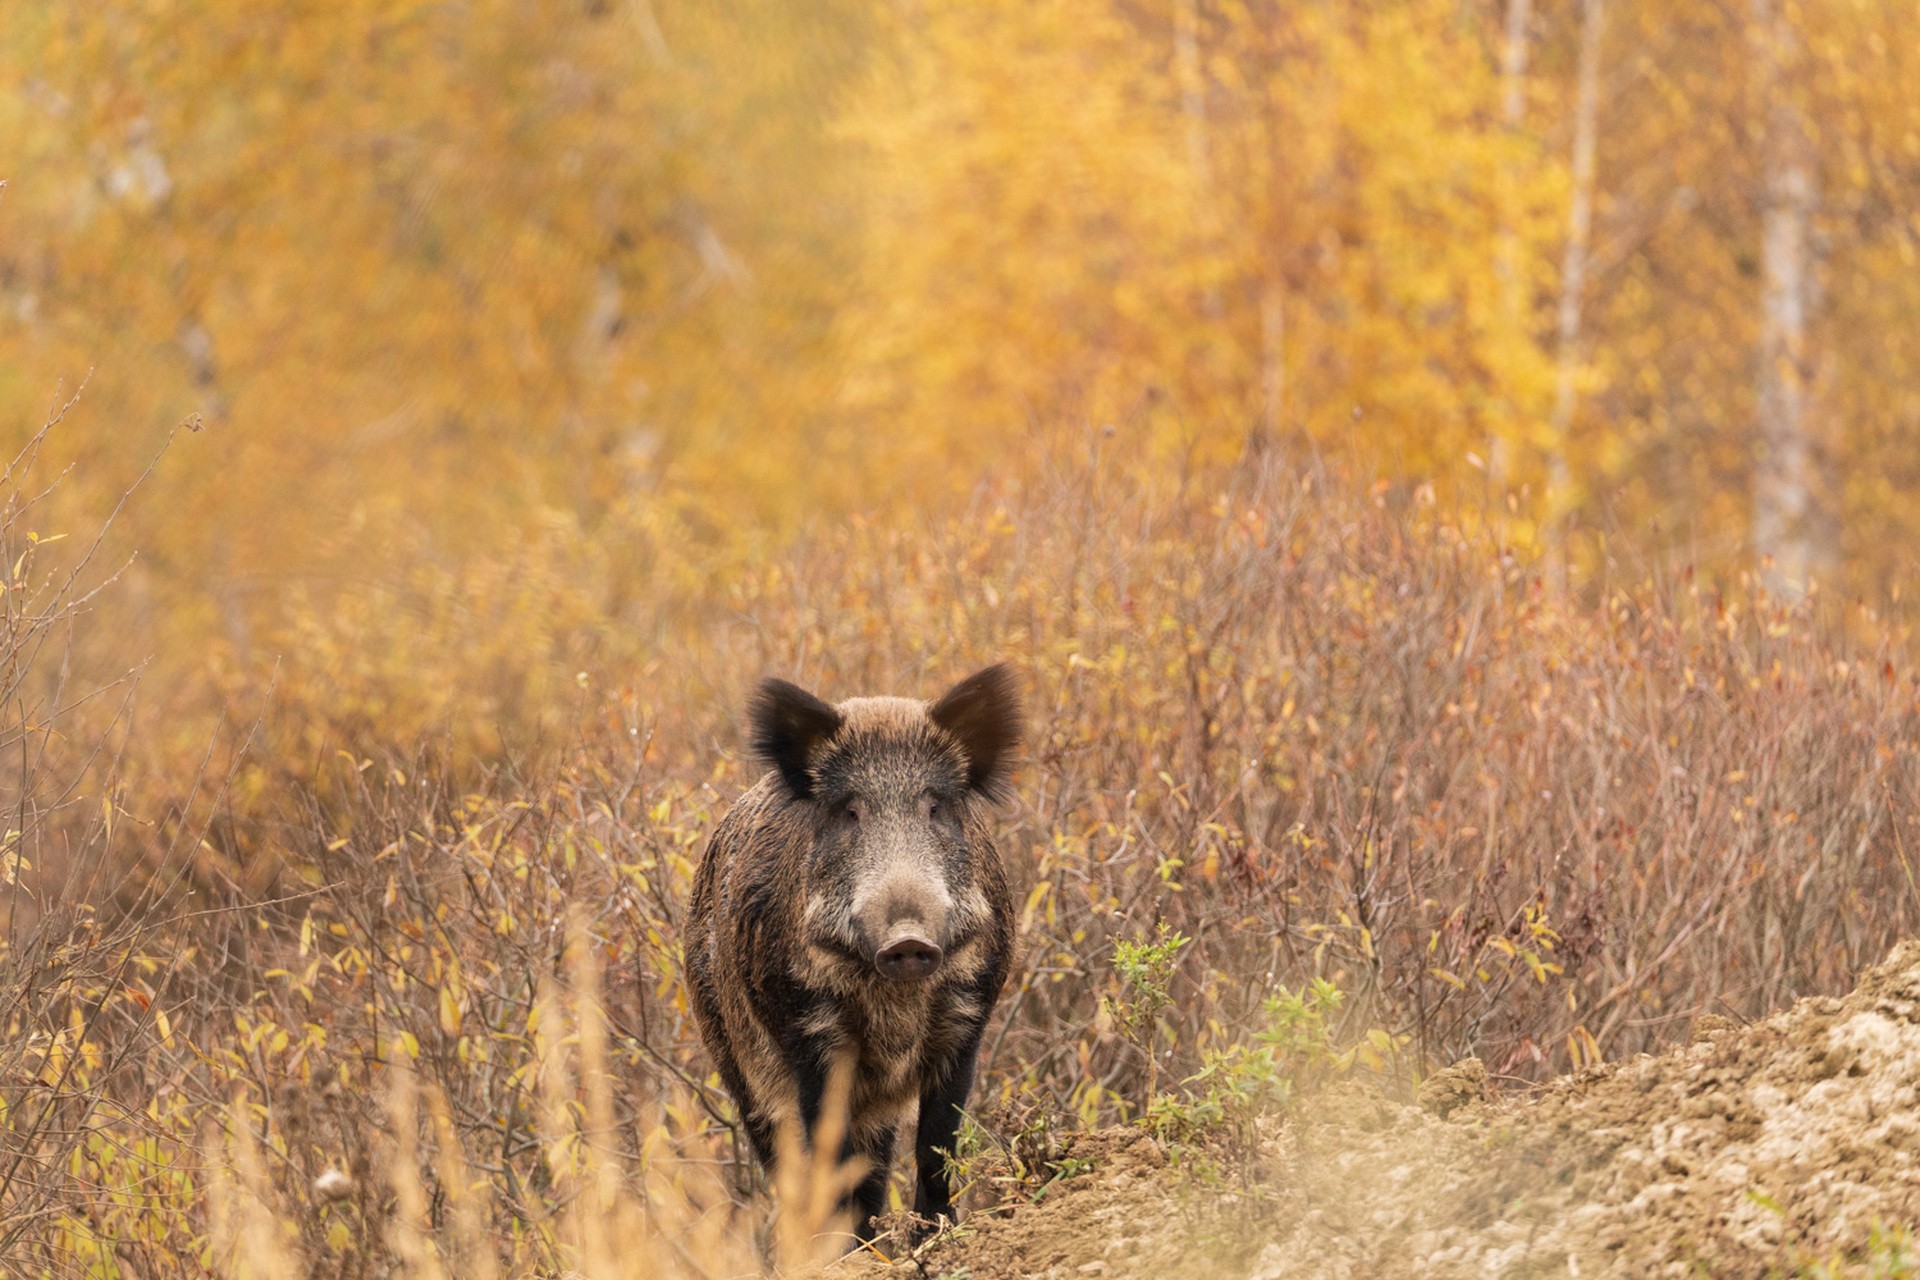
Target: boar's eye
851,813
933,808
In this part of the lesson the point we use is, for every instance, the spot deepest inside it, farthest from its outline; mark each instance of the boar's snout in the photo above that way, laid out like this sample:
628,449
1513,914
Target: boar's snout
908,957
903,922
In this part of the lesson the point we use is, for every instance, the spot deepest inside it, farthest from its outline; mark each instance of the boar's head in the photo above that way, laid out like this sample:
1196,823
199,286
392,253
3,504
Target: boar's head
891,790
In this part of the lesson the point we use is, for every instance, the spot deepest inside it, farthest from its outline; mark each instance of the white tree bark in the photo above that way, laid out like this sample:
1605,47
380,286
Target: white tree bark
1784,489
1193,86
1514,51
1190,74
1513,113
1573,263
1513,63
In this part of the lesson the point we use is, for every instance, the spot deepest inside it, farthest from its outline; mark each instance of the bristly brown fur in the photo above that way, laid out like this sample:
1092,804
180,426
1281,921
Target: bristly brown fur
796,888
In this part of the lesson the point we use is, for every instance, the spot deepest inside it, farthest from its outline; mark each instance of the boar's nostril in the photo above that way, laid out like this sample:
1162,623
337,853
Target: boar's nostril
908,959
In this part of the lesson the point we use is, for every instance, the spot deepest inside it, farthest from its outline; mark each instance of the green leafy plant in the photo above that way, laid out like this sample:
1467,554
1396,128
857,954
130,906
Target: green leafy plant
1146,970
1237,1083
1294,1049
1022,1150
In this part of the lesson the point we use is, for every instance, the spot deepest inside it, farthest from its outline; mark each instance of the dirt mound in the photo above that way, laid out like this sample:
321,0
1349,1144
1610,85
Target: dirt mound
1124,1216
1755,1151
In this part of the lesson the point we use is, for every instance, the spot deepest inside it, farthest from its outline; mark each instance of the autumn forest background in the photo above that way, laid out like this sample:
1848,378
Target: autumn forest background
442,273
1445,470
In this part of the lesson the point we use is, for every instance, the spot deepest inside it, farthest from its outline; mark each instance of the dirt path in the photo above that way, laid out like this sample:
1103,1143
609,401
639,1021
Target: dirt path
1756,1151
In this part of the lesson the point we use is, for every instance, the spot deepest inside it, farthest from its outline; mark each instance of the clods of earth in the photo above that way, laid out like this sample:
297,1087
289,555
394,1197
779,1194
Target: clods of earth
1789,1147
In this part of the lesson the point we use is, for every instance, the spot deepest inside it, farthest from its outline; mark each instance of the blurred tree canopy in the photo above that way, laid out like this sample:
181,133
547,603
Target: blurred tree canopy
454,267
461,258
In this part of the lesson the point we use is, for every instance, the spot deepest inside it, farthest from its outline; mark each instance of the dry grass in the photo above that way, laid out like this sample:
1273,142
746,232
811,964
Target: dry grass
1323,731
660,1217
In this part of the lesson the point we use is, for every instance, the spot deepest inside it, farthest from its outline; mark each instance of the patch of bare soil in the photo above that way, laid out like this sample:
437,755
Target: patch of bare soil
1748,1153
1124,1216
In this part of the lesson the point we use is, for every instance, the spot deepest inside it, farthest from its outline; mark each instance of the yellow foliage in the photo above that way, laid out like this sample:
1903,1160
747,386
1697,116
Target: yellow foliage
553,371
431,271
1300,240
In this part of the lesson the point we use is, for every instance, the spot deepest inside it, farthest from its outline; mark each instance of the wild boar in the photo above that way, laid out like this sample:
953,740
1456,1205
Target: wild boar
852,904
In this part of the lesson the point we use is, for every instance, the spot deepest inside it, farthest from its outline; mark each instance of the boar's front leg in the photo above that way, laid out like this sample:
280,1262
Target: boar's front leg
870,1197
810,1062
941,1105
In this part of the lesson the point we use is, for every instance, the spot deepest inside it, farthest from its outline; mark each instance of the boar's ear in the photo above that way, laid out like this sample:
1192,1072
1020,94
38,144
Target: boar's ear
982,712
789,724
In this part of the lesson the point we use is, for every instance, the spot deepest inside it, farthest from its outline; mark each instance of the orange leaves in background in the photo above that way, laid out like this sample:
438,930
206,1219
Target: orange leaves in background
429,272
1230,220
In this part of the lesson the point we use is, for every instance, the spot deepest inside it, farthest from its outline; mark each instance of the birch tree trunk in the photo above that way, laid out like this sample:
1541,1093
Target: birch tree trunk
1513,109
1573,264
1784,516
1190,73
1193,87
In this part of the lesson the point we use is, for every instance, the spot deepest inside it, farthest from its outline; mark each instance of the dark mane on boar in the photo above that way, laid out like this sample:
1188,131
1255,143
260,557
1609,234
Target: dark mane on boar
852,905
